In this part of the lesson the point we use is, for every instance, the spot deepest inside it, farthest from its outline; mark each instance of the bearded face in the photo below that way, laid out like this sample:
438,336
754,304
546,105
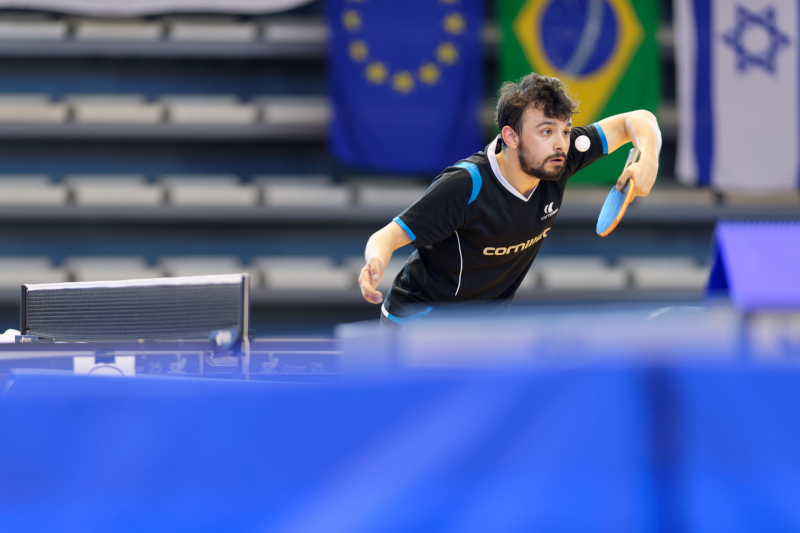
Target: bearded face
549,168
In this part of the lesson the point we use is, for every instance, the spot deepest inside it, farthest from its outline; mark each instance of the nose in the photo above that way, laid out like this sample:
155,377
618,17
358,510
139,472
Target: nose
561,144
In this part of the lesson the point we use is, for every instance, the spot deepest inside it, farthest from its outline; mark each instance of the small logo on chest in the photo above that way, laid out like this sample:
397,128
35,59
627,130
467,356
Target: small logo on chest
549,211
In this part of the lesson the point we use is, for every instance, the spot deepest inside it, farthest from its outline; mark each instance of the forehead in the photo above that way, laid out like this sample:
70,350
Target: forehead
533,118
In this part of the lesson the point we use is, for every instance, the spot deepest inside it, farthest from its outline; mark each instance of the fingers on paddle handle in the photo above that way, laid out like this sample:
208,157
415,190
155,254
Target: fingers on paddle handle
624,181
633,157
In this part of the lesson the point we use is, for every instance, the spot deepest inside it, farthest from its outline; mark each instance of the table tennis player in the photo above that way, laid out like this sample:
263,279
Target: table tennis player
479,226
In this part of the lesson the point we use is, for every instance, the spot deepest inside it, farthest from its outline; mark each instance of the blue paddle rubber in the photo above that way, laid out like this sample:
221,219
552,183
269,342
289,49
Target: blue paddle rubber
613,209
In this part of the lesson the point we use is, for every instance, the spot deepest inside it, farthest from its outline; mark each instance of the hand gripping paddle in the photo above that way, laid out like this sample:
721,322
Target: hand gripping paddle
617,202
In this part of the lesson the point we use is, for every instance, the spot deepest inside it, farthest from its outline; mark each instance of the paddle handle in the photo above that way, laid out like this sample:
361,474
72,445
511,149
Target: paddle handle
633,157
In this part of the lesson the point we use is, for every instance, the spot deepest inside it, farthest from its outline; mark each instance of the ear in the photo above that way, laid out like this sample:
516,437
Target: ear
510,137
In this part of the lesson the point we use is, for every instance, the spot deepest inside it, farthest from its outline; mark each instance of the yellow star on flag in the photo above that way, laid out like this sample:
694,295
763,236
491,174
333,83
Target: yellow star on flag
351,20
403,82
454,23
376,72
447,53
359,51
429,73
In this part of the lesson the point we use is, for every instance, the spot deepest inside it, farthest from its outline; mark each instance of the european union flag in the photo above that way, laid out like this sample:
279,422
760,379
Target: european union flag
406,82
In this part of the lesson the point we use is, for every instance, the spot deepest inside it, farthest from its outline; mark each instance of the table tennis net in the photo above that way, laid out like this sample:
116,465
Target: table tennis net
154,309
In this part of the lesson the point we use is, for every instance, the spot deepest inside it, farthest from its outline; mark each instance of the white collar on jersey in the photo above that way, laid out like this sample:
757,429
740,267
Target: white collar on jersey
496,169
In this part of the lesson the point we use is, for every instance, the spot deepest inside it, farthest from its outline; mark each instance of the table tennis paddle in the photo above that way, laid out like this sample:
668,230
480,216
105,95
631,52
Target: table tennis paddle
617,202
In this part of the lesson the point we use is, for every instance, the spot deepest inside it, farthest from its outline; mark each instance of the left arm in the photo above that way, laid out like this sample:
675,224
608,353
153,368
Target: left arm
641,128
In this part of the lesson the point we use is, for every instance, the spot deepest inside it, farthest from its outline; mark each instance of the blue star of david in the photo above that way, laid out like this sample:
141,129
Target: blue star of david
764,59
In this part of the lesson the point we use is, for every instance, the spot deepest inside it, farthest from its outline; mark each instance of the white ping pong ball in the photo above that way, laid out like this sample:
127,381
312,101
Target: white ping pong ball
582,143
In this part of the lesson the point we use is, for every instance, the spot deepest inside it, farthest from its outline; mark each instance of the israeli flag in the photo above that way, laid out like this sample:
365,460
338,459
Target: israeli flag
738,92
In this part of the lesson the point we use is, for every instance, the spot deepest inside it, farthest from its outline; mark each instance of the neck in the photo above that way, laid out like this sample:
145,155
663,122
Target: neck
508,163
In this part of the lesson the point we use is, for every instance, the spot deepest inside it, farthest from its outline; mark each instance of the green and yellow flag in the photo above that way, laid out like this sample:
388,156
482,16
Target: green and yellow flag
605,51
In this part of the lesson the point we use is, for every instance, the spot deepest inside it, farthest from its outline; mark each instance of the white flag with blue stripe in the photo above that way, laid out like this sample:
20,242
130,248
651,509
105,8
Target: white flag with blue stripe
738,94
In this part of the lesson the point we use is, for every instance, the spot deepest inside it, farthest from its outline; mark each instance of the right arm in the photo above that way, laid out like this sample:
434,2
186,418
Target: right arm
380,248
433,217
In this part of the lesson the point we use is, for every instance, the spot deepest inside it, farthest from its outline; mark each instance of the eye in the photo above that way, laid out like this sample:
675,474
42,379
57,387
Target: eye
546,132
567,133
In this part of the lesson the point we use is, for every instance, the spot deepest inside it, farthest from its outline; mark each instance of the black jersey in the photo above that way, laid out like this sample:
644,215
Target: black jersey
475,235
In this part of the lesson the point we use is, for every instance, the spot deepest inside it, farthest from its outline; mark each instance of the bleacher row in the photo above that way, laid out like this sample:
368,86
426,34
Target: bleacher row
203,191
314,191
176,109
180,29
322,273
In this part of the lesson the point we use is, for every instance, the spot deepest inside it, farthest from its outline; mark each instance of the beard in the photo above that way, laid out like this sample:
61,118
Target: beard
536,169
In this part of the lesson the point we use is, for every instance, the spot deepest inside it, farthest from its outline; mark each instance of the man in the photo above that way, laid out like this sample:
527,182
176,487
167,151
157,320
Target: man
479,226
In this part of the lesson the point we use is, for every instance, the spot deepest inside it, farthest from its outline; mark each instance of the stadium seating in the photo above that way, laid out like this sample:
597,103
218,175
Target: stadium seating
31,109
580,196
587,273
294,110
31,190
14,271
211,29
32,27
114,109
109,268
384,197
209,110
308,275
679,197
199,265
763,198
664,272
125,30
303,273
530,282
209,191
556,274
303,192
388,194
285,30
125,190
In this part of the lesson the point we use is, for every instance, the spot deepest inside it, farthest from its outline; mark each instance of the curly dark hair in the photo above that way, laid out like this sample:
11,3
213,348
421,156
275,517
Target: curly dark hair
547,94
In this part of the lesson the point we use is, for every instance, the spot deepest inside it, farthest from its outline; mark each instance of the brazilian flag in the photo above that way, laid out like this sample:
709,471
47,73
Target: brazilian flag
605,51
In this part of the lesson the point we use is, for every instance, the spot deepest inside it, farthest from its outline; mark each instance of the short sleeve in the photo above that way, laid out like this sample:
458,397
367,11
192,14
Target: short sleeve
440,211
597,150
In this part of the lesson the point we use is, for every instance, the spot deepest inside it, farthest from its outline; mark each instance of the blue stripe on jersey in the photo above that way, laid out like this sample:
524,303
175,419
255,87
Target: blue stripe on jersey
404,321
602,135
477,181
405,228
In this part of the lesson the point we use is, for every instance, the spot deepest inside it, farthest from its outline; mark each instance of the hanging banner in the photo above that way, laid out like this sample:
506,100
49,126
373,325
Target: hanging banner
406,80
124,8
605,51
738,92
